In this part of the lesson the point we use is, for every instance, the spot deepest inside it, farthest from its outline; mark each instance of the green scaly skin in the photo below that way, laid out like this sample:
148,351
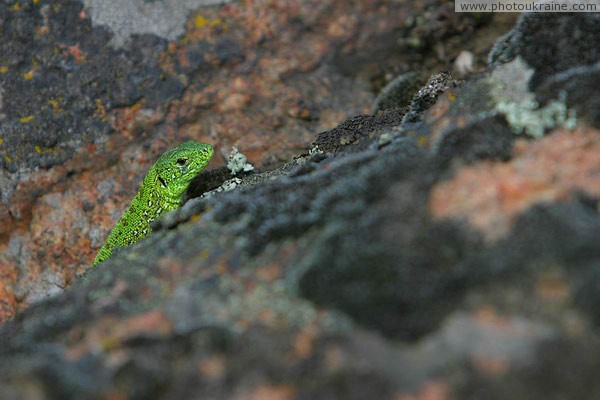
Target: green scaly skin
162,190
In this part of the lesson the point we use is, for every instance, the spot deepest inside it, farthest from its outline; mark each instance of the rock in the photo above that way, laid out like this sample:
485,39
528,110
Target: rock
430,251
92,92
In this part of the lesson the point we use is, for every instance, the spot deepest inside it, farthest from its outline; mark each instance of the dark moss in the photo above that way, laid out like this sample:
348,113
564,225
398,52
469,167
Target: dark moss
402,292
406,287
487,139
208,180
358,132
551,43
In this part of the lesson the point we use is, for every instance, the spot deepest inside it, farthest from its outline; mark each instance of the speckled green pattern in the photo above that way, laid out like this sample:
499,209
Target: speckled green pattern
162,190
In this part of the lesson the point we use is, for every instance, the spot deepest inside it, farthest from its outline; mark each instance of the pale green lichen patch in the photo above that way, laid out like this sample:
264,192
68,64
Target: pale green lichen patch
527,117
509,90
315,150
238,162
225,187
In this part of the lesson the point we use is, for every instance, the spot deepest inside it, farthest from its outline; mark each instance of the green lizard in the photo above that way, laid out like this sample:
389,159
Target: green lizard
162,190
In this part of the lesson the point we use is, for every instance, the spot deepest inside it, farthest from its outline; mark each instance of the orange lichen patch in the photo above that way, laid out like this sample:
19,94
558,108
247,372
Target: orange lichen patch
3,69
439,109
265,26
341,26
552,286
28,75
492,324
269,272
276,68
8,301
282,392
60,226
234,102
267,317
491,365
334,358
27,119
118,289
169,267
432,390
57,221
76,52
212,368
116,394
195,218
110,333
490,195
440,118
153,323
126,118
298,110
487,316
304,343
182,57
42,30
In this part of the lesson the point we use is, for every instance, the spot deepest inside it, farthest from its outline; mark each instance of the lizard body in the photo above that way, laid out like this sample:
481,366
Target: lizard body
161,190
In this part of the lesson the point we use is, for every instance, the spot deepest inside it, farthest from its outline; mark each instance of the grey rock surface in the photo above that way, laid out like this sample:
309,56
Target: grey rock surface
368,267
164,18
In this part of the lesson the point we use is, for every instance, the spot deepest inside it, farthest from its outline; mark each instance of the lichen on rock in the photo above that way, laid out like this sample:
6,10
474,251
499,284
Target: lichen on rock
425,251
509,88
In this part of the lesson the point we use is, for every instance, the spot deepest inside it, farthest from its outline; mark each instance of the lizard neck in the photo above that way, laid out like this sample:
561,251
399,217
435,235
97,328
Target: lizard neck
151,200
147,205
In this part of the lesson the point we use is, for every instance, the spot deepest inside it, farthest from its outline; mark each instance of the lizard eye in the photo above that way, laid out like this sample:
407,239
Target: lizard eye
181,161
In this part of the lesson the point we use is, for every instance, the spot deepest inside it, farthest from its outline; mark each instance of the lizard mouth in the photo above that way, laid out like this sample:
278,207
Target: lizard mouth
196,165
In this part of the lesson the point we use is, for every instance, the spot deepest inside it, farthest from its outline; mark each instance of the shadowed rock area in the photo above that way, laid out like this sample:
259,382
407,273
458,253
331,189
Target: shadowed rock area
443,248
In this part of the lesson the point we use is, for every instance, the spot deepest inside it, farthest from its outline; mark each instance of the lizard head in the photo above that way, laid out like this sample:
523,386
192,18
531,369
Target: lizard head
176,168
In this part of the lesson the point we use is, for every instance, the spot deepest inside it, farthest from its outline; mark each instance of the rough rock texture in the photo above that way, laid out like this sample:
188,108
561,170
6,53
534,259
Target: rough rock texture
444,249
88,103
